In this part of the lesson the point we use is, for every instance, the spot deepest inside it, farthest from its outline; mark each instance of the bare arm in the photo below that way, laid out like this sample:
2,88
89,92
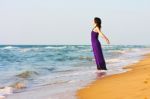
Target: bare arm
103,36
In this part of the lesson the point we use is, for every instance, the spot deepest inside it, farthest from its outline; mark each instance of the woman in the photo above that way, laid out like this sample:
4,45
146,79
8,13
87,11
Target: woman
96,45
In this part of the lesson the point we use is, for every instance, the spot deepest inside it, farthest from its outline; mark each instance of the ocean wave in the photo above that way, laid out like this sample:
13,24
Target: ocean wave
55,47
28,49
86,58
136,49
113,60
49,69
25,49
71,58
85,50
20,49
9,47
18,85
118,51
27,74
5,91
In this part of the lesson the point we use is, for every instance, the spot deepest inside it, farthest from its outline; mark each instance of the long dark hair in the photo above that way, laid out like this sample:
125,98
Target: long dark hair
98,22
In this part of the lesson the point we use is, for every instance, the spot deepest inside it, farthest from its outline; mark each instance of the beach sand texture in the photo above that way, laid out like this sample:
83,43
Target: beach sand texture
134,84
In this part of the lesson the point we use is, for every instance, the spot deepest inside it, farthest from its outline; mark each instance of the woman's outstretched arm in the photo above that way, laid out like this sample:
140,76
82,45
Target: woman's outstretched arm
103,36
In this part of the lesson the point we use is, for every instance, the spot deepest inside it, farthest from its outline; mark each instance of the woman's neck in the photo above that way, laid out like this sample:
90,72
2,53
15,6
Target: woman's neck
94,27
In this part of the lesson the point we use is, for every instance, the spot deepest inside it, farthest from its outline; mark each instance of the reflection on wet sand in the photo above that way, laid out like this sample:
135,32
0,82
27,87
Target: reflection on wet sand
100,74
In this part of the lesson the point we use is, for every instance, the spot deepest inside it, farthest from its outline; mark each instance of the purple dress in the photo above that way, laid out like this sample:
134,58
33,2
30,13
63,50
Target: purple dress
97,50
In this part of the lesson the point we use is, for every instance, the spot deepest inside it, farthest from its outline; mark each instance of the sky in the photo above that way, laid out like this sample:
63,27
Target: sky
51,22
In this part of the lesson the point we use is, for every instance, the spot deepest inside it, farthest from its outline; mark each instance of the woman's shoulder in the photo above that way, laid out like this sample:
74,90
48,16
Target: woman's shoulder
96,29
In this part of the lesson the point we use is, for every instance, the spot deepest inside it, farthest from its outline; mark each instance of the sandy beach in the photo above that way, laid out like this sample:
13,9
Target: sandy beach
134,84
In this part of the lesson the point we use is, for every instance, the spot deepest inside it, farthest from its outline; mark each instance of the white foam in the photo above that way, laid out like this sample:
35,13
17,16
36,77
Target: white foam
5,91
51,47
9,47
114,60
118,51
25,50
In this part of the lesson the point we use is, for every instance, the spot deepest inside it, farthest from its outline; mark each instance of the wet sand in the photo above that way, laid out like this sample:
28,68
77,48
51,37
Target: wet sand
134,84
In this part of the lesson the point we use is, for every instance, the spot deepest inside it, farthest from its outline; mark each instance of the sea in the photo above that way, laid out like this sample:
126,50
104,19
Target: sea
66,68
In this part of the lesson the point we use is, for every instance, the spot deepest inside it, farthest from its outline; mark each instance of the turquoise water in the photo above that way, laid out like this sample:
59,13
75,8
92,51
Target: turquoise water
38,65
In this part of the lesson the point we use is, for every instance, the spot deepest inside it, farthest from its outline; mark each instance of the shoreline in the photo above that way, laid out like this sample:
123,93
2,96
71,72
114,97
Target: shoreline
133,84
73,85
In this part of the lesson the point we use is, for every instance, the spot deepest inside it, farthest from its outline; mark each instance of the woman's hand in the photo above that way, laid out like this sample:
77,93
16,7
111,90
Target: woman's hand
107,40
